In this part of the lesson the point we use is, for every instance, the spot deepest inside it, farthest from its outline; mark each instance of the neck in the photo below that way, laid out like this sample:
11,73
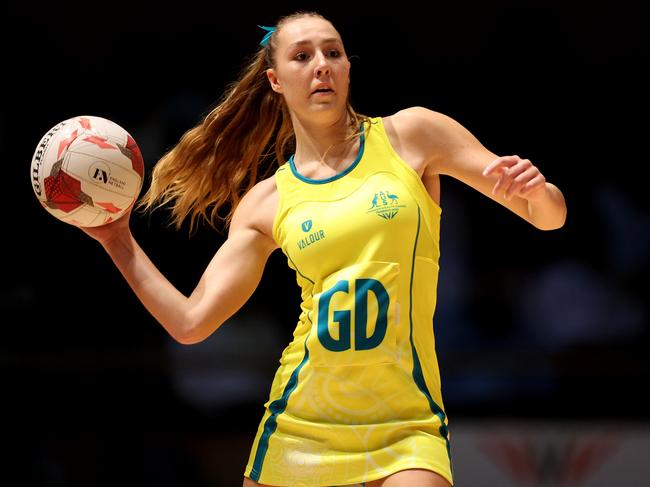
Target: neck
322,142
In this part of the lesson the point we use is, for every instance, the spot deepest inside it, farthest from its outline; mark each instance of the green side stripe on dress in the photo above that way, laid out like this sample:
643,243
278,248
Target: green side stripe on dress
276,407
418,376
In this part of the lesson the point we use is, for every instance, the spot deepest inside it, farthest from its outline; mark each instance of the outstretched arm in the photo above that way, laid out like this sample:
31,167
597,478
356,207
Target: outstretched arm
511,181
519,179
228,281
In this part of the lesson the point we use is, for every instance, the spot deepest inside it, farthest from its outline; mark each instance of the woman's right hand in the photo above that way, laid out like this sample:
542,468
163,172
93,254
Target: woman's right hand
104,234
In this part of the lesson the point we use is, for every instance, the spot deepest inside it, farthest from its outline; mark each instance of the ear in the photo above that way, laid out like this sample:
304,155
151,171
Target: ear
273,79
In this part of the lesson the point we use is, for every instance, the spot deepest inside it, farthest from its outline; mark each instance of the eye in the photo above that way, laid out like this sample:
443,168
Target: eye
301,56
334,53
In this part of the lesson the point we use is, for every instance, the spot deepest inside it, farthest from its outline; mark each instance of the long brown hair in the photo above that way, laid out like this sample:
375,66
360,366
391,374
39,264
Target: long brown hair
216,162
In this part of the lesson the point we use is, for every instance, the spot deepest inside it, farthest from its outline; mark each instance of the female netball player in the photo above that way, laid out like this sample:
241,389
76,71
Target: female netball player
356,211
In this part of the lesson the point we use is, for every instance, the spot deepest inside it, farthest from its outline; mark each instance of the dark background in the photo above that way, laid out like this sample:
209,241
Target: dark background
529,324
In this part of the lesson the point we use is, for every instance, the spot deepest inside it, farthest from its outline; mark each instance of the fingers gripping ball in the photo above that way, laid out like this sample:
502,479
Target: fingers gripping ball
87,171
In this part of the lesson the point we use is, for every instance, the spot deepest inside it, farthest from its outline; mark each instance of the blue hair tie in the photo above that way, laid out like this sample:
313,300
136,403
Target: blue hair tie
267,36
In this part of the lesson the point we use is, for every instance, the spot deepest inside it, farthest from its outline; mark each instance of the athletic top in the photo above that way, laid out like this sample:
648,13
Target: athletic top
357,395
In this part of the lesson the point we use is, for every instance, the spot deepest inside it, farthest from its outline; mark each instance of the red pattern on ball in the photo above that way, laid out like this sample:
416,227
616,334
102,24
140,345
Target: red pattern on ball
62,192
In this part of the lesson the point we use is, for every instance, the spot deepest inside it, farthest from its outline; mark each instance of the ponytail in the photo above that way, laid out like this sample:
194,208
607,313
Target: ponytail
216,162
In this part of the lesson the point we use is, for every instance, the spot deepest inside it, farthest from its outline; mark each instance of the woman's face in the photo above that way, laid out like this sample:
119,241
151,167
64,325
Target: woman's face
310,56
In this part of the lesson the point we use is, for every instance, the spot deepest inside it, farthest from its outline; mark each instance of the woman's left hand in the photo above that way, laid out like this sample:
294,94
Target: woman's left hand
517,177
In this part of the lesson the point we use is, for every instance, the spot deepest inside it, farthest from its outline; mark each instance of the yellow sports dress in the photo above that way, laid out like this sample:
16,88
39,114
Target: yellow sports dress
357,394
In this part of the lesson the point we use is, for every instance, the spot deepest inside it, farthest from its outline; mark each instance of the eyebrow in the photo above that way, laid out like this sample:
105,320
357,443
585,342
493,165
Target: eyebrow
299,43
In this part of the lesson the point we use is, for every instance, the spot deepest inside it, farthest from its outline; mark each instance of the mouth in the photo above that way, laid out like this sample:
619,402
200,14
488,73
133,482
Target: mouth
322,91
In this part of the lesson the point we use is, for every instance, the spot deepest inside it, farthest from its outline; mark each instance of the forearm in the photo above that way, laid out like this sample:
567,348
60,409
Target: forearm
157,294
549,211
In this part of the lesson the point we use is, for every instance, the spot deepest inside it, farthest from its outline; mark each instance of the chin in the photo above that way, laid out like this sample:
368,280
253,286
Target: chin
327,105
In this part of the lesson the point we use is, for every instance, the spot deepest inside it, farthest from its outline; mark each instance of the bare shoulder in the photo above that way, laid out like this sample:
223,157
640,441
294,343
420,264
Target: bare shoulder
436,138
414,122
257,208
262,190
420,133
410,118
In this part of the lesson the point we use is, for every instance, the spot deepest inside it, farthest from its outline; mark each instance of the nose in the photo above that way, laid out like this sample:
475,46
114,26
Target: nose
322,66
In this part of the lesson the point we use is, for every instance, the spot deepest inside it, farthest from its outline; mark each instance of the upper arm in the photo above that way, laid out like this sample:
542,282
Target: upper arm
450,149
235,271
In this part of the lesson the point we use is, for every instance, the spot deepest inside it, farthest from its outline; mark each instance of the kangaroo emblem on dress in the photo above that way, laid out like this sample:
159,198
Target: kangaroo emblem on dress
385,204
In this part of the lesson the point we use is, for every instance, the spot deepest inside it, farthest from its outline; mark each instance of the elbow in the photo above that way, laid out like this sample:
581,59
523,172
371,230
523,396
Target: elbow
193,333
187,339
189,336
